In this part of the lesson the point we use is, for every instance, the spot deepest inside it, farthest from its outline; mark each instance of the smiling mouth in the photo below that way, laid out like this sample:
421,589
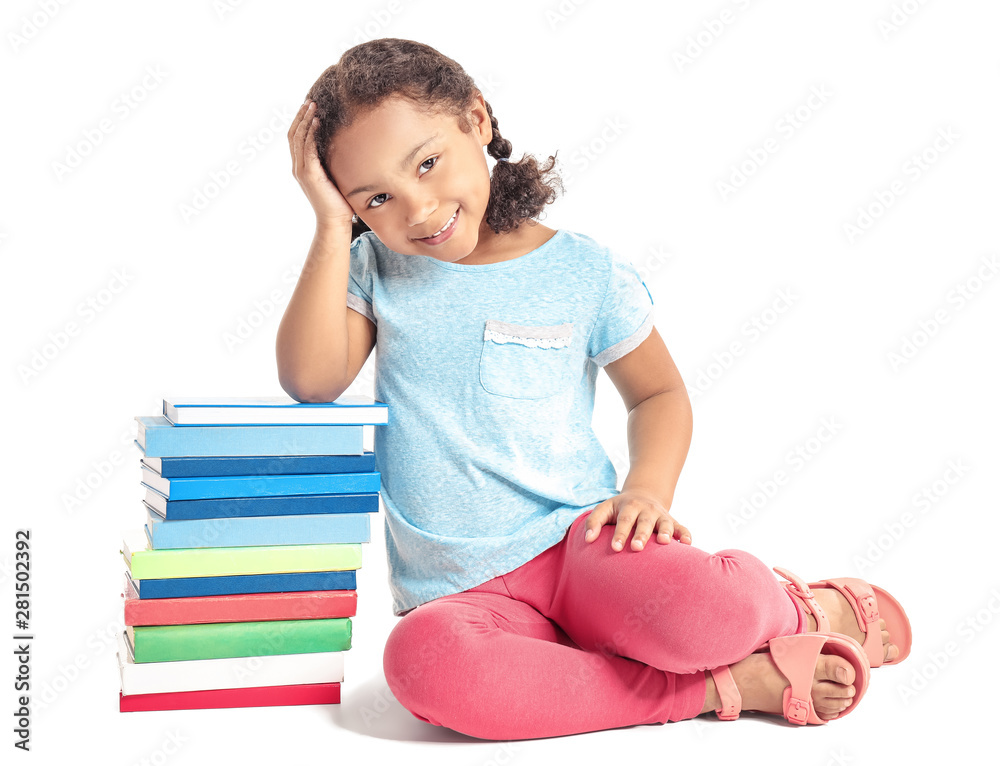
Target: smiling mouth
444,229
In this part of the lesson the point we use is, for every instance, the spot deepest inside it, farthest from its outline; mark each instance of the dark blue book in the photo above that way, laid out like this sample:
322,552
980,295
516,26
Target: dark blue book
272,465
180,587
275,505
213,487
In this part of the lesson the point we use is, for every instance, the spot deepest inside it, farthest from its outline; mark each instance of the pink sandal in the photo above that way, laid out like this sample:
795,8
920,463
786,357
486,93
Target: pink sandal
870,604
796,658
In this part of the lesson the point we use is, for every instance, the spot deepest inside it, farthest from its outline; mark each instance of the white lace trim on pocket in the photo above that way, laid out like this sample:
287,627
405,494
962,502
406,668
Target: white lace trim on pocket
551,336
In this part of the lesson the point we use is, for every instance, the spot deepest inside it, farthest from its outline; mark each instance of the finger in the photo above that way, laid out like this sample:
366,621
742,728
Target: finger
597,519
682,534
643,529
666,530
626,520
297,119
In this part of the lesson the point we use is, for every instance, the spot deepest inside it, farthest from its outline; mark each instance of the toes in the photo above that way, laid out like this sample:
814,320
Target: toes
831,691
835,669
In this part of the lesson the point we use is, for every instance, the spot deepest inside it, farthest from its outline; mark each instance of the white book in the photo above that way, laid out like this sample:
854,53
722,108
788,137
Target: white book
349,409
227,673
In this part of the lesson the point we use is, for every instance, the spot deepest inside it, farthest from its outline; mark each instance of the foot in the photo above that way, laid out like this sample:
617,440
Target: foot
762,685
843,620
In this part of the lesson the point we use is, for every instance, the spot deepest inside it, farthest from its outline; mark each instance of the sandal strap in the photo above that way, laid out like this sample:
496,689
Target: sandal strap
796,657
732,700
861,596
798,588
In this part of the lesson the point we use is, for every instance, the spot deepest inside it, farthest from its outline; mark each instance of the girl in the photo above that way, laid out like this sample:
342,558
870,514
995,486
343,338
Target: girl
522,613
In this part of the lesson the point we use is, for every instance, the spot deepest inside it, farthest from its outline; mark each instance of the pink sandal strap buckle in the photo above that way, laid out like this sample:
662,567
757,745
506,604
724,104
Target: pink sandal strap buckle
797,710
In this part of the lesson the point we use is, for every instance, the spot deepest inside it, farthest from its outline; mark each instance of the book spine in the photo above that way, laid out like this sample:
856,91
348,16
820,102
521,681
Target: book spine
221,441
170,643
211,562
265,696
293,582
255,607
270,465
270,506
259,531
216,487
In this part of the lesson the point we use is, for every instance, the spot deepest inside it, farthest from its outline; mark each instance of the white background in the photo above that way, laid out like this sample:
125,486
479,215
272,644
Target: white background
644,138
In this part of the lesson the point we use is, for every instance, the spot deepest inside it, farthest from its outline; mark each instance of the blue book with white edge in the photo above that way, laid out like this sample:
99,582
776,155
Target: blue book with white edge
349,409
314,528
268,505
158,437
264,465
211,487
229,585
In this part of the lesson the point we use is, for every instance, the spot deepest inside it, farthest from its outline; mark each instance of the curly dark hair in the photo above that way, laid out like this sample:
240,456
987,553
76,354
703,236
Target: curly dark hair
371,72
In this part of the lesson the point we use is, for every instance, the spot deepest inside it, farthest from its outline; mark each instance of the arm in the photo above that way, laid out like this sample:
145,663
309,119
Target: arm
659,435
322,344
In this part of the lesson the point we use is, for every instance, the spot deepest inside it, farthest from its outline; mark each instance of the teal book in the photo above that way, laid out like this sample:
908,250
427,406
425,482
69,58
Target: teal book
158,437
311,529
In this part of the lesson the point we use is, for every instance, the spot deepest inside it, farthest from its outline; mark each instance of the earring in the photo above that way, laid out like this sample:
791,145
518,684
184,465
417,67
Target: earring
354,218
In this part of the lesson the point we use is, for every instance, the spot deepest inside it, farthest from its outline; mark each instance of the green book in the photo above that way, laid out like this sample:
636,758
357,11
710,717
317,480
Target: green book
146,563
216,640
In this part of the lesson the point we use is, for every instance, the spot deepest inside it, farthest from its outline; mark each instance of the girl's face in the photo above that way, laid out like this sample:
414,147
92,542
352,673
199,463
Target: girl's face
408,174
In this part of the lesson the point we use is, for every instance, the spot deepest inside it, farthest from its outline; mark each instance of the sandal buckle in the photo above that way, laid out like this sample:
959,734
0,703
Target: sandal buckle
869,608
797,710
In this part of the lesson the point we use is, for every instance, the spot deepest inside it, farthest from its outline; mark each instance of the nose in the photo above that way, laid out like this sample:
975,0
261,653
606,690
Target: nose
419,207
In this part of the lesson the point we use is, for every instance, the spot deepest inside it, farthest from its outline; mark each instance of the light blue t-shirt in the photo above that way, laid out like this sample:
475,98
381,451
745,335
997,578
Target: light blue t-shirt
489,372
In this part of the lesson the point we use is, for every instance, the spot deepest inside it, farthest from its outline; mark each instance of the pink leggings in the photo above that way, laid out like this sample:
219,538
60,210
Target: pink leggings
582,638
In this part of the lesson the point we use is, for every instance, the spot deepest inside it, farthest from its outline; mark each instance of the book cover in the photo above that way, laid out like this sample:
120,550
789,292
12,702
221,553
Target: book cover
248,607
255,696
259,465
186,587
214,640
313,529
158,437
271,505
226,672
349,409
147,564
217,487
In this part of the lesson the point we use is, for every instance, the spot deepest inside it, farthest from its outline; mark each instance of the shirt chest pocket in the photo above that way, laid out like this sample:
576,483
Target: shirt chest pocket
525,362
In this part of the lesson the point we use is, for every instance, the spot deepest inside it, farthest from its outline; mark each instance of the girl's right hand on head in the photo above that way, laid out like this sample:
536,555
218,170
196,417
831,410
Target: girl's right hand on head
327,201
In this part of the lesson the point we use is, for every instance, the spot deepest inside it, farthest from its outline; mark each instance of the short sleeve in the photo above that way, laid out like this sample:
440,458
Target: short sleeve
360,277
625,318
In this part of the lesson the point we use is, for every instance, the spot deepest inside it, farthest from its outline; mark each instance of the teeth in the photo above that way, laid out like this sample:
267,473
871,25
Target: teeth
443,228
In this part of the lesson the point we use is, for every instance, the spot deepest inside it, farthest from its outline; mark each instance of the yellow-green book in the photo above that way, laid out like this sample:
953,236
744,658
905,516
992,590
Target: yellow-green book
147,564
216,640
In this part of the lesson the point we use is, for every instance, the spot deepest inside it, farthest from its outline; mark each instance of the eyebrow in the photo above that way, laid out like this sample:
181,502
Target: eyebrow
402,165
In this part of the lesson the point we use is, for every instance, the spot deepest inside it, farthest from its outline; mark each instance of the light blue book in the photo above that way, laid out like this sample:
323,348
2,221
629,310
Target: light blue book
214,487
158,437
349,409
315,528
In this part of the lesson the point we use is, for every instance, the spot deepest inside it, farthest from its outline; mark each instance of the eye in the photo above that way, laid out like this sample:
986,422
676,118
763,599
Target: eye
370,202
432,160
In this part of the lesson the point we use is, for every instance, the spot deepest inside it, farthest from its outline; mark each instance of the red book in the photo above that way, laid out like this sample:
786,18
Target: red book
246,607
254,696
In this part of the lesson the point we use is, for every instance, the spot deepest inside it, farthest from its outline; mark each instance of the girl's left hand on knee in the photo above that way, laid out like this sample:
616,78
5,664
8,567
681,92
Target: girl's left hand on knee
644,512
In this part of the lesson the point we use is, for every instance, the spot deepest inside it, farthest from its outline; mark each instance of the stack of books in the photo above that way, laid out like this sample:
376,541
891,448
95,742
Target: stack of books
240,588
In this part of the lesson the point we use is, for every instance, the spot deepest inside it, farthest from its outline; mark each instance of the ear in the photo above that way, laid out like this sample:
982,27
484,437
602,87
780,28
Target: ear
479,118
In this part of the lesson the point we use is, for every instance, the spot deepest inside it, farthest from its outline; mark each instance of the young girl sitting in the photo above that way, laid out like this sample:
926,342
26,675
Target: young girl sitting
523,613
